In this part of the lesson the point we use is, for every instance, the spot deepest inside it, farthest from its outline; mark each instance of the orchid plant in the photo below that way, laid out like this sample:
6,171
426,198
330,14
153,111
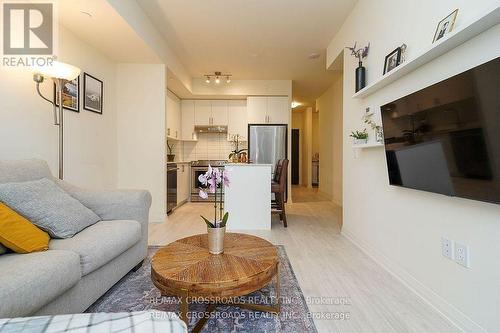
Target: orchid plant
215,180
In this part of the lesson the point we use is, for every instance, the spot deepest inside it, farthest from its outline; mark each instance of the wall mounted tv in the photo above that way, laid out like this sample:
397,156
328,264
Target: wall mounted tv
446,138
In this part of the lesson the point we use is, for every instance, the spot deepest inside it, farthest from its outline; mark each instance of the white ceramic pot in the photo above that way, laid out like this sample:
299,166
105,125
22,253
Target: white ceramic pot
216,240
360,141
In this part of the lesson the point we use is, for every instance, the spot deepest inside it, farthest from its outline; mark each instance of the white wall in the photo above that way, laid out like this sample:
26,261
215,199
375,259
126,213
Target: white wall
141,132
330,141
26,120
402,228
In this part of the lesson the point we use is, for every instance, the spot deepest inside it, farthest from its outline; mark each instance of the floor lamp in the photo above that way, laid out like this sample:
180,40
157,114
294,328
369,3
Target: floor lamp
59,72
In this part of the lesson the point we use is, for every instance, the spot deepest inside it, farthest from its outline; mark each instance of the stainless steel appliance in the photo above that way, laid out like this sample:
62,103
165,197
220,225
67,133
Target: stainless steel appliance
198,168
171,186
267,143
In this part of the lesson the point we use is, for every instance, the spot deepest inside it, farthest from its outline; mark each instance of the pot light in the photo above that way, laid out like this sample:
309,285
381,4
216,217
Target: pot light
228,79
217,80
208,79
295,104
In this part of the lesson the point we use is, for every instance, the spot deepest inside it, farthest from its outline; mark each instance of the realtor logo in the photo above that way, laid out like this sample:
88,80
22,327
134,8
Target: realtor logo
28,29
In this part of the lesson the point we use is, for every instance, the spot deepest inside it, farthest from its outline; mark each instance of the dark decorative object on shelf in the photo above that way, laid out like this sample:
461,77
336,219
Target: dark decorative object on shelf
360,54
170,156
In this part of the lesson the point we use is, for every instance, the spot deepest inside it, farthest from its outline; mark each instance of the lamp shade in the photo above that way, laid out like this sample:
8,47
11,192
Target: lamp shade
59,70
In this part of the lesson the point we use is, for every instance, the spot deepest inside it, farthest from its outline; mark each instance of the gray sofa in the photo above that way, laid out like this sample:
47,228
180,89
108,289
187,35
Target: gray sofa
74,272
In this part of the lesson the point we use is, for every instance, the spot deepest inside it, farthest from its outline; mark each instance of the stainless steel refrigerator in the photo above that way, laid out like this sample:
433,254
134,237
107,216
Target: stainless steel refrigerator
267,143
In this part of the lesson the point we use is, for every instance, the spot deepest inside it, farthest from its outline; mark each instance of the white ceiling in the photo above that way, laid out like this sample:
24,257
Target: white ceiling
105,29
253,39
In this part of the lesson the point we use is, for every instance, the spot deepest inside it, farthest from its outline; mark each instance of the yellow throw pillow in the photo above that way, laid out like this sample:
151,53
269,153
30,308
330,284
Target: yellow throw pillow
19,234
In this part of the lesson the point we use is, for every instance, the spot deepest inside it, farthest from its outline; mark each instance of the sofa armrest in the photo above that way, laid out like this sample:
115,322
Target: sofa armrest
114,204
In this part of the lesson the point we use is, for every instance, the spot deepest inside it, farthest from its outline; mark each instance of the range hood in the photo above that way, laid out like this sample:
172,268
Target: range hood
210,129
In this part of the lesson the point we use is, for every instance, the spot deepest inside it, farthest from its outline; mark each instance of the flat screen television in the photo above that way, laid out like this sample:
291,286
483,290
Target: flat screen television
446,138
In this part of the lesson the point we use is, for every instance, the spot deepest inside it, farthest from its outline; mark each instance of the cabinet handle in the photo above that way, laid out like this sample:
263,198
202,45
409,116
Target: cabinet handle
168,131
176,134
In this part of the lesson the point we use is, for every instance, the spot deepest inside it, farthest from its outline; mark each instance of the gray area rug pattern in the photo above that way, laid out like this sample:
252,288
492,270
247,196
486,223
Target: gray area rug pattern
136,292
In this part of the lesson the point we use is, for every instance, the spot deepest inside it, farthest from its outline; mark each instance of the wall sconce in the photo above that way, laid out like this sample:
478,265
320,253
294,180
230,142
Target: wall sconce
58,72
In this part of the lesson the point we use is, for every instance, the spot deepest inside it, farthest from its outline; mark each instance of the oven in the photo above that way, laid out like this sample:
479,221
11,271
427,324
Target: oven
199,168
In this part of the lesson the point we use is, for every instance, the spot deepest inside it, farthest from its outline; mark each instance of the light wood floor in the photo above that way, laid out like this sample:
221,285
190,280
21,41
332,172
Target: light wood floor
327,265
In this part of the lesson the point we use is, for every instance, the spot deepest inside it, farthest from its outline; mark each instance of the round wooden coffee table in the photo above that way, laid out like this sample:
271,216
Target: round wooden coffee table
187,270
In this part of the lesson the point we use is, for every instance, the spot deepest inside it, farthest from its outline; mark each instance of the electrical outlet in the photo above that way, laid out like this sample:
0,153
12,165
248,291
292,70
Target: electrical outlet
462,255
447,248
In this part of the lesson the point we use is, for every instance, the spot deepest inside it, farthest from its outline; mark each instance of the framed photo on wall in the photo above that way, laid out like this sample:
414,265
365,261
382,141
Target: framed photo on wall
445,26
92,93
70,95
392,60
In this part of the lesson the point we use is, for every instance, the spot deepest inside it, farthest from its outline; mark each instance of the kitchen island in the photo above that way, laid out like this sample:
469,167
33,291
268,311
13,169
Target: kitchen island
248,198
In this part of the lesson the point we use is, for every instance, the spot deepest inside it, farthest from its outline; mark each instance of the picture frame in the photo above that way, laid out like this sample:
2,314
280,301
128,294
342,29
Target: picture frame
445,26
93,93
392,60
70,95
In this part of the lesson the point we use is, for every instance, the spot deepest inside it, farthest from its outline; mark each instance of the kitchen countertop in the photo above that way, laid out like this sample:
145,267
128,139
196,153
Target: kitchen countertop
179,162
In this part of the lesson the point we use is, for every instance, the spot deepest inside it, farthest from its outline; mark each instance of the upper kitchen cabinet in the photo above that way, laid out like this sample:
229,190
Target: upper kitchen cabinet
219,112
187,120
173,104
278,110
237,119
268,110
202,113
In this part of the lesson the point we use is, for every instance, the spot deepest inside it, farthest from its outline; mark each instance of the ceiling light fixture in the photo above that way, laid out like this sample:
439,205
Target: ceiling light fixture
217,76
295,104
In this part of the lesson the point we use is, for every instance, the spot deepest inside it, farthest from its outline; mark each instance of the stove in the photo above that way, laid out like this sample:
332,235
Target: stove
206,163
198,168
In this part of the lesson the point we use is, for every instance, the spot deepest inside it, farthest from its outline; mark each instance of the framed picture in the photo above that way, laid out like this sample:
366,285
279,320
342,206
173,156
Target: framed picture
445,26
70,95
92,93
392,60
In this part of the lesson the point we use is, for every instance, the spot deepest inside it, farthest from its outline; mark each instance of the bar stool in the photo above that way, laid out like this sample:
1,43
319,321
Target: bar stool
278,187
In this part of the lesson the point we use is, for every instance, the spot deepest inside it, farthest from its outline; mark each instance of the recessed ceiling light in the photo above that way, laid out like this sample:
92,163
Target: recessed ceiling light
314,55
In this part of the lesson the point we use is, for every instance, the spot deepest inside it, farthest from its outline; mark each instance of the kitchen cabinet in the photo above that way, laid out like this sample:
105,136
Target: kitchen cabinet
237,119
219,112
183,182
202,112
278,110
268,110
187,120
173,105
210,112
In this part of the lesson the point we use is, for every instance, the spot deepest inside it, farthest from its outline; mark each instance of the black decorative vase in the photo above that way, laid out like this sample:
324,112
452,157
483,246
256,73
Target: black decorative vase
360,77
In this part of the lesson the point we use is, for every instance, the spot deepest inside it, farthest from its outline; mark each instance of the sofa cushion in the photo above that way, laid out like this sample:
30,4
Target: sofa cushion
17,171
48,207
19,234
100,243
29,281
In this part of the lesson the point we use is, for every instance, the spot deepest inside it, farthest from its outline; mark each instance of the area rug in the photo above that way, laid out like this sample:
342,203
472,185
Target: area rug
136,292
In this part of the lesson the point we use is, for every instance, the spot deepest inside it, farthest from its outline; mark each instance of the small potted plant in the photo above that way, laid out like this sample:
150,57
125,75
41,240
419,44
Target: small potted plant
215,180
360,137
170,156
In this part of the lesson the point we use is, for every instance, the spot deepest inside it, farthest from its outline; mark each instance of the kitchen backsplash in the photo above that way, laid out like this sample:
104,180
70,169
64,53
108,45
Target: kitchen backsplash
213,146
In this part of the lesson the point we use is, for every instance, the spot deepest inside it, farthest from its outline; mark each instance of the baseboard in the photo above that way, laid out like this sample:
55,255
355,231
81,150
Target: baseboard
455,316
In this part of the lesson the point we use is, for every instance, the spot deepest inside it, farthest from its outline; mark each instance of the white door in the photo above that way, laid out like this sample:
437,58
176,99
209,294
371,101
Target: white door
187,120
278,110
257,110
202,112
237,119
219,113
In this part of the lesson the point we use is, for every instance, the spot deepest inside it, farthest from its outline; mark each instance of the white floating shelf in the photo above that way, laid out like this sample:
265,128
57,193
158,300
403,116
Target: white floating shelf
368,145
455,38
178,139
